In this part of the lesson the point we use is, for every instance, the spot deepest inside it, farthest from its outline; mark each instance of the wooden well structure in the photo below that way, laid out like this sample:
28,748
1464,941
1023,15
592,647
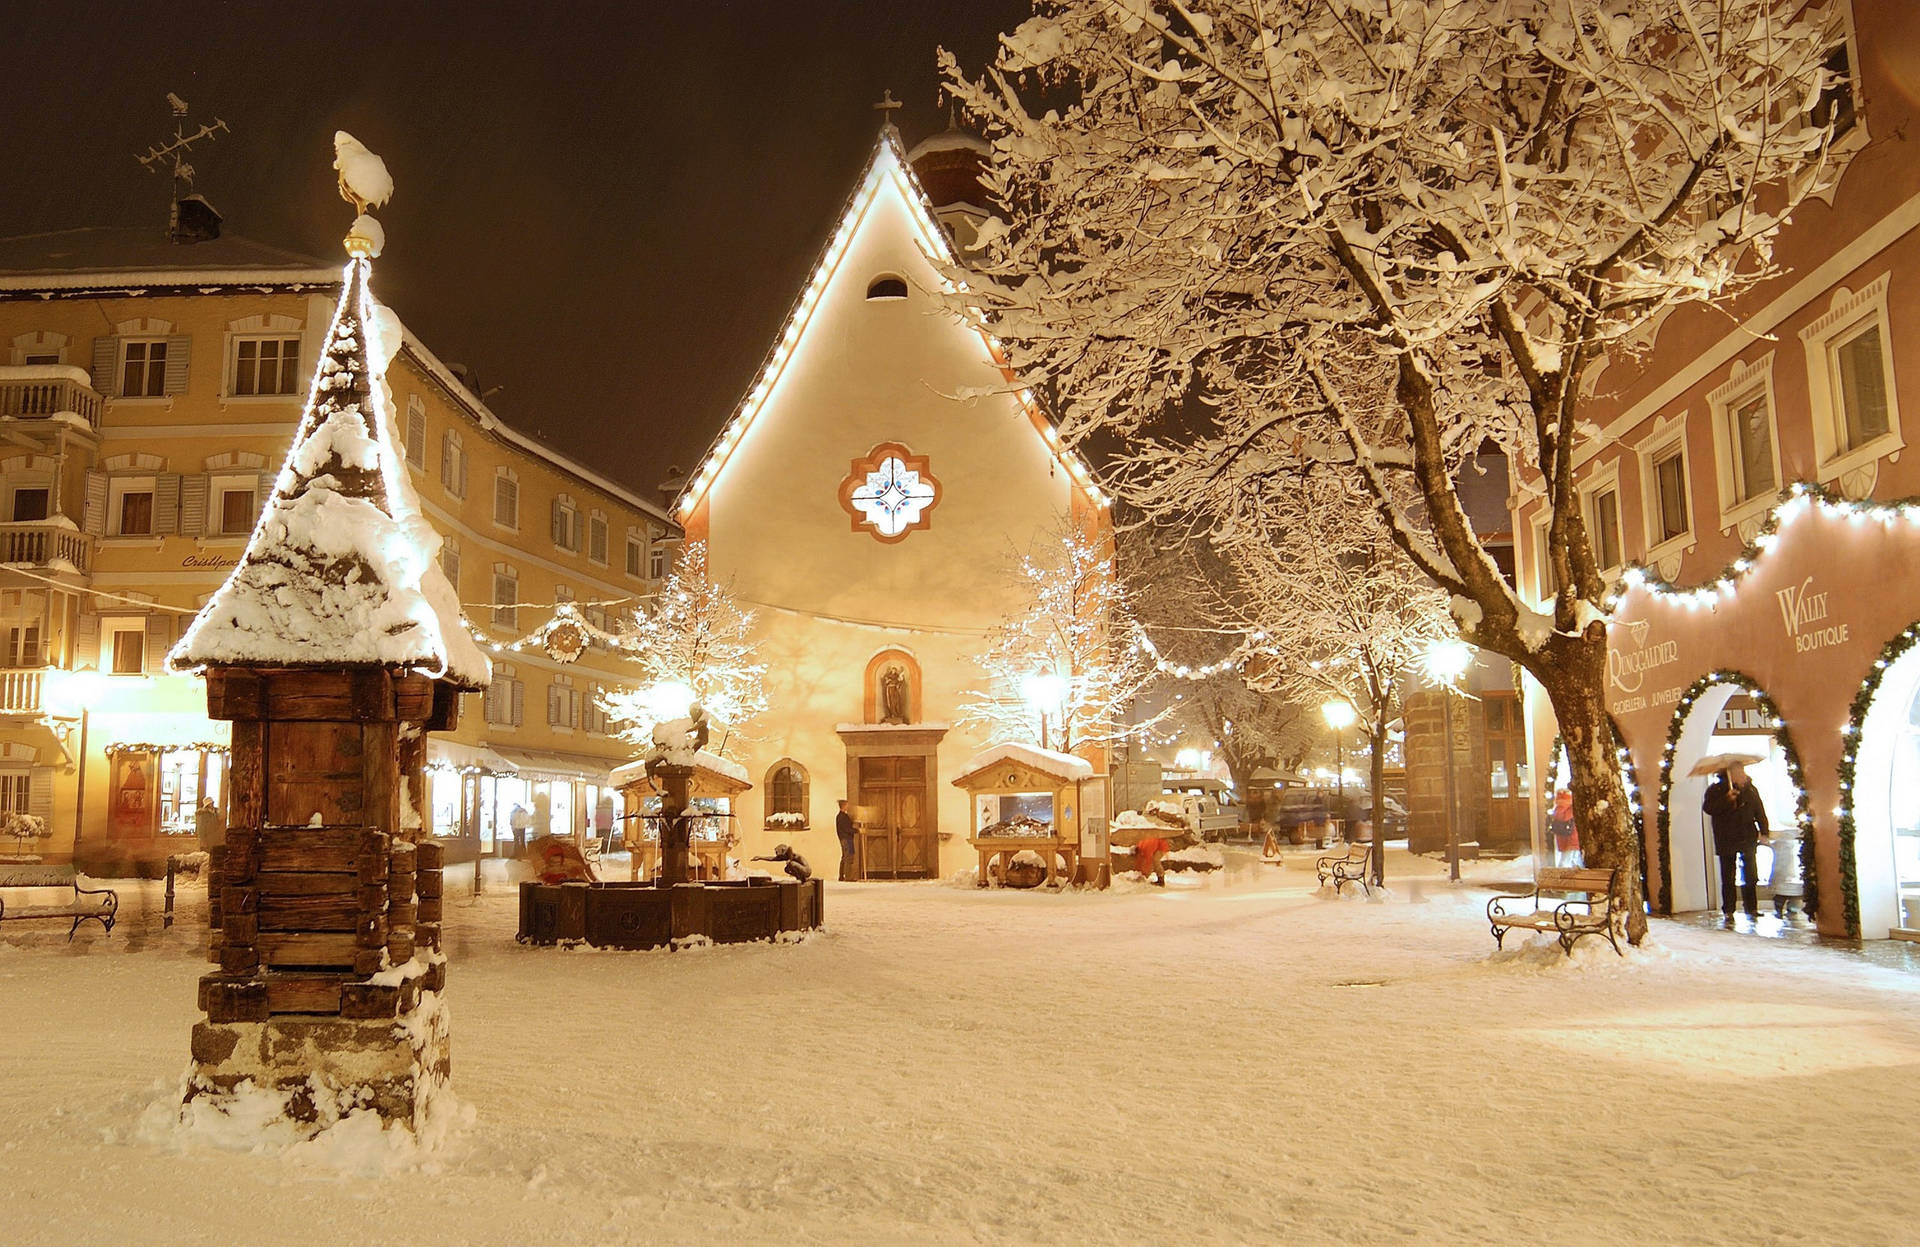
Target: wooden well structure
333,648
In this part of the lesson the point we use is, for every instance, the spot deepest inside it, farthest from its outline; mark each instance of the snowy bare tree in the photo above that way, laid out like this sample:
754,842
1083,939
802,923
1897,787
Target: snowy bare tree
1377,234
1172,580
691,640
1071,652
1341,613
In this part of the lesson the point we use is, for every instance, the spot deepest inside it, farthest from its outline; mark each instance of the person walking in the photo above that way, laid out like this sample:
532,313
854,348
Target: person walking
1566,837
849,844
519,821
1739,820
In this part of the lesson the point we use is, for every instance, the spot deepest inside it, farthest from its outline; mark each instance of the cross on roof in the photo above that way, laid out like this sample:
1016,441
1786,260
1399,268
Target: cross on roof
887,104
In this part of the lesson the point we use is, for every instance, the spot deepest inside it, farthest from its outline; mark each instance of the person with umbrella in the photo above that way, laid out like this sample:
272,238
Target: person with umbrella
1739,821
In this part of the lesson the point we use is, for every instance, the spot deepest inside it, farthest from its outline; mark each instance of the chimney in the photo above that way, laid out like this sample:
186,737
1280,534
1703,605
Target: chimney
194,220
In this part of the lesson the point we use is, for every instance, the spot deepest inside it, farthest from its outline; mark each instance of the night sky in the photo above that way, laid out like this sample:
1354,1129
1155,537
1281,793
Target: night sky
604,210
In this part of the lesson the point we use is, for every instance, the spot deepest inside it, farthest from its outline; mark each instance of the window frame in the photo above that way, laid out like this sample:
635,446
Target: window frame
1599,482
148,364
636,563
118,487
453,463
1849,314
1744,384
111,628
507,478
1669,438
803,798
219,485
288,373
597,525
507,617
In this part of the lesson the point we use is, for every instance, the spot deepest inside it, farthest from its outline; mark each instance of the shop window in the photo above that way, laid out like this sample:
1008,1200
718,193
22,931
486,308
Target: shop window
265,366
787,788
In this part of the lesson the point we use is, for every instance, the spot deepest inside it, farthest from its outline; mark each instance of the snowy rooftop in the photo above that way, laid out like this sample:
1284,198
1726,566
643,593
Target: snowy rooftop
342,568
1046,761
119,256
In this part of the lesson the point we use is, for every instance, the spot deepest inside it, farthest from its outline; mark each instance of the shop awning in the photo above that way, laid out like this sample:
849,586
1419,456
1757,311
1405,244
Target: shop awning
459,757
542,764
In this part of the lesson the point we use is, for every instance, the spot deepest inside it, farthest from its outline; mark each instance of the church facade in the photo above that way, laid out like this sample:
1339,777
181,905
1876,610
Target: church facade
868,502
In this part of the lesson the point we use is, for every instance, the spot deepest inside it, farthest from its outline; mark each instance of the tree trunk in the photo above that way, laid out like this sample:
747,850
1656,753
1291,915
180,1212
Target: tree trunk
1573,672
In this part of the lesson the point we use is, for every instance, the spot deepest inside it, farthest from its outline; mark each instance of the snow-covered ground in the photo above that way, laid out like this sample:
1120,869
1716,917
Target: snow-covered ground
1233,1059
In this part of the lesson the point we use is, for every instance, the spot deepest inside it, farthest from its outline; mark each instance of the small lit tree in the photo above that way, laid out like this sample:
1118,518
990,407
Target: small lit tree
692,643
1065,667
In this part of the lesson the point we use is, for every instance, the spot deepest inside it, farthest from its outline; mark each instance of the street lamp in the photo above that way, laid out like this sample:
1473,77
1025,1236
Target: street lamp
1340,715
76,689
1043,689
669,700
1445,662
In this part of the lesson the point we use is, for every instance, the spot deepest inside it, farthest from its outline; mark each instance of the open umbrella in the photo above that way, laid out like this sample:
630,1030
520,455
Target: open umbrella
1715,762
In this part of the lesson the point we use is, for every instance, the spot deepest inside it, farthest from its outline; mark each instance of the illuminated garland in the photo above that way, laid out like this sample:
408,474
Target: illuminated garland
1185,671
1891,653
1803,812
142,746
1800,498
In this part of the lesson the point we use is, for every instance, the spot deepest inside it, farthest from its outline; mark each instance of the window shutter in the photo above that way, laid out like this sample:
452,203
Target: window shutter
417,438
86,644
40,794
159,640
490,702
106,370
264,494
95,521
166,503
519,702
555,525
193,504
177,348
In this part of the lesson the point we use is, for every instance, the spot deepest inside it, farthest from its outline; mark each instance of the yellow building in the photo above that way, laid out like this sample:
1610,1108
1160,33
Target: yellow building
148,392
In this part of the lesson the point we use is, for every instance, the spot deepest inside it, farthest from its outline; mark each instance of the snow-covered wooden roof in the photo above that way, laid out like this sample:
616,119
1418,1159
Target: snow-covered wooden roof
888,172
342,568
1061,766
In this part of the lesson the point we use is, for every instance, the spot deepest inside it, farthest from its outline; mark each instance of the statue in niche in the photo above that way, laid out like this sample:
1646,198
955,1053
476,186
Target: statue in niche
893,696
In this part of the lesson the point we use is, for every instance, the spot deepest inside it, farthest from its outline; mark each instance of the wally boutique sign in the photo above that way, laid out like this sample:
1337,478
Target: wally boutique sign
1803,613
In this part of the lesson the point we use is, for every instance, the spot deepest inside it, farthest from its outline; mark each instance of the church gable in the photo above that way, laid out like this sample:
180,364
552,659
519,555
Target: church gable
865,385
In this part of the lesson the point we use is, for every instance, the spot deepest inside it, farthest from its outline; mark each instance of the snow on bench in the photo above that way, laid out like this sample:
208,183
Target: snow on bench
98,904
1571,918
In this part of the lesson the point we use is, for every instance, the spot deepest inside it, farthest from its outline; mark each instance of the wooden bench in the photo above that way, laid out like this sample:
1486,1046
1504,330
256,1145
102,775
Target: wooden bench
1593,903
1350,867
98,904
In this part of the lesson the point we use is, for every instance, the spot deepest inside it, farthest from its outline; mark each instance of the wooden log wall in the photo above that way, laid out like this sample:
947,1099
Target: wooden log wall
321,886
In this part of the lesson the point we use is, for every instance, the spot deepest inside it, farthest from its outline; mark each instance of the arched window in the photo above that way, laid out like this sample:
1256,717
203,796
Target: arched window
786,789
887,287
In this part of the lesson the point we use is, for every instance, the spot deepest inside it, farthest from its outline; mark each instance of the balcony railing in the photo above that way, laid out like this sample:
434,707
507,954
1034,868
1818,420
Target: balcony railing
46,543
42,391
21,689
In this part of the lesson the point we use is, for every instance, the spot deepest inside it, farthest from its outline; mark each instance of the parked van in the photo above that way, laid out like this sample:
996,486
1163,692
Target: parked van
1210,807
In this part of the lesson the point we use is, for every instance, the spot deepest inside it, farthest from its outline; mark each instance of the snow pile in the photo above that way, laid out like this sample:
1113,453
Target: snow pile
1199,857
1059,765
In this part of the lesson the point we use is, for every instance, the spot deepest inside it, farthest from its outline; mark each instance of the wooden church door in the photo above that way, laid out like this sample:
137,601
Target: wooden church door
899,845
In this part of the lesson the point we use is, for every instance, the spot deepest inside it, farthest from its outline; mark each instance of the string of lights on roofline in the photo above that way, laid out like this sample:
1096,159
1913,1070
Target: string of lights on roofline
887,163
1800,499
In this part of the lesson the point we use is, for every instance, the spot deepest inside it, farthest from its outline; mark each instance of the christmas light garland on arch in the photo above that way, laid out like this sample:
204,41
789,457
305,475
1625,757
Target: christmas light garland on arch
1800,498
1796,775
1894,650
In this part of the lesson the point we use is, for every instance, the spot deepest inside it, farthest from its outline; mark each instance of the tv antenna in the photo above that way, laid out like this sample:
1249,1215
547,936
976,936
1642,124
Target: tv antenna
176,149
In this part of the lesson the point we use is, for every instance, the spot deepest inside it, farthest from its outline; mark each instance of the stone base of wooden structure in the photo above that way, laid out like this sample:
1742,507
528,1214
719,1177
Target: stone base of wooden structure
649,915
327,1067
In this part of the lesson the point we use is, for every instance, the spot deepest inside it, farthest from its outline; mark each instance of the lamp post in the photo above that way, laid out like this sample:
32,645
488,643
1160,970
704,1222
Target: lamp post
1445,662
1043,689
1339,714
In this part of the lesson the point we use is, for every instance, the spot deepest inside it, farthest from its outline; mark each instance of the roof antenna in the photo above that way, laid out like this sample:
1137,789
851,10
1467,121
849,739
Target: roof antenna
885,108
175,151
